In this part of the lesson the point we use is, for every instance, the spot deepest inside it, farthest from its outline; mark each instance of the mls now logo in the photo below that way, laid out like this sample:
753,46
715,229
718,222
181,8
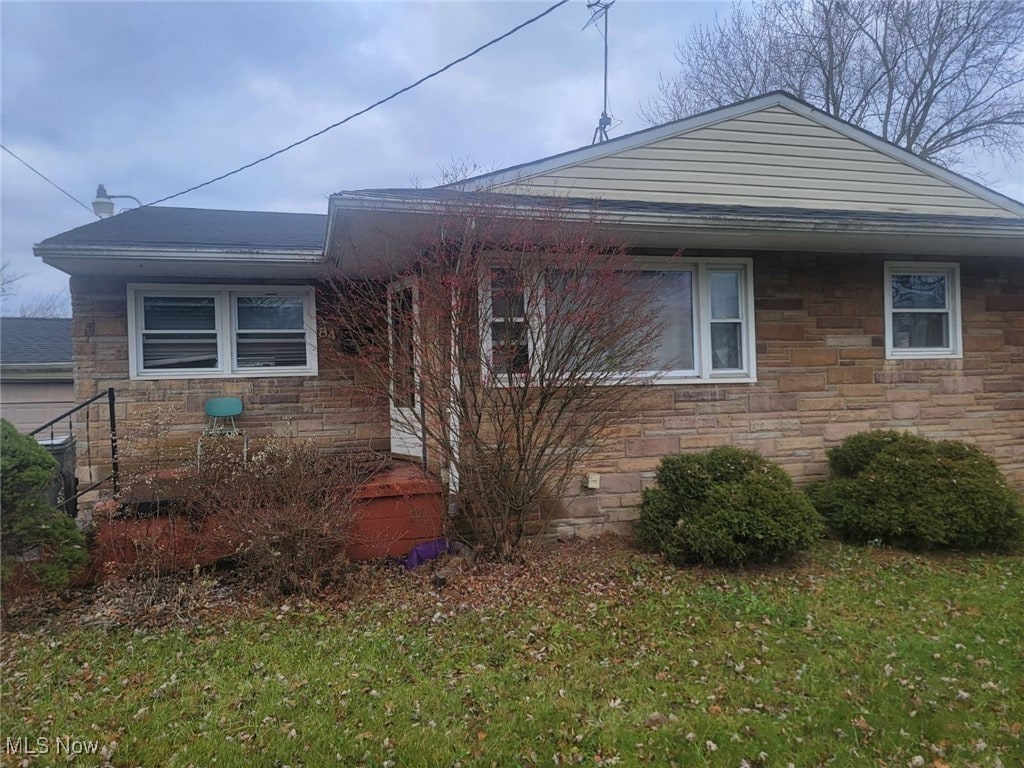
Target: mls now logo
61,745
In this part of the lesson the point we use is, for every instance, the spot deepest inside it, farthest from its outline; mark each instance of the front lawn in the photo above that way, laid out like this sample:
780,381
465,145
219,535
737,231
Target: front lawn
589,654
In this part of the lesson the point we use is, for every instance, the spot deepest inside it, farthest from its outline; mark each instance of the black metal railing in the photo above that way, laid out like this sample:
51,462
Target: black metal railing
113,477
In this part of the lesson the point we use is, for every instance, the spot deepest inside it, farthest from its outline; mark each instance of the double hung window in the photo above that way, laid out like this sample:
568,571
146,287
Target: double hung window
186,331
512,309
704,310
922,310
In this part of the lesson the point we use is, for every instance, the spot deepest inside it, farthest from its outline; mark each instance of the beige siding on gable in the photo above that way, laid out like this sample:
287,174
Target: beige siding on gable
773,157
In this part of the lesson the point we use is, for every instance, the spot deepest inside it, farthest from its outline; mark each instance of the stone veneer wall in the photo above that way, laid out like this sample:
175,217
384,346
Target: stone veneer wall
822,375
331,408
821,367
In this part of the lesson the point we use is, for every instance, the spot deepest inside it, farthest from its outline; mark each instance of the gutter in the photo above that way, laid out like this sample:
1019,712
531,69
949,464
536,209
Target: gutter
845,226
181,253
62,371
606,214
183,261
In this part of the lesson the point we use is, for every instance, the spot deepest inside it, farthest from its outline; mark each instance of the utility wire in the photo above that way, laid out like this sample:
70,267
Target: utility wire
363,111
43,176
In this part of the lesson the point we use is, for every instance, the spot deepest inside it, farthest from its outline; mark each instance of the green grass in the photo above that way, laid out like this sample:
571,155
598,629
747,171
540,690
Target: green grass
590,655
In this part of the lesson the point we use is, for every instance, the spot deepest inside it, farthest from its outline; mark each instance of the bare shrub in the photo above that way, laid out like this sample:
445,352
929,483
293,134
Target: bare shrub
513,357
284,516
287,513
142,534
153,461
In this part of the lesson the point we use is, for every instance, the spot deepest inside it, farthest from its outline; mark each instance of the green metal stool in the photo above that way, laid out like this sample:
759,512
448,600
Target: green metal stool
221,412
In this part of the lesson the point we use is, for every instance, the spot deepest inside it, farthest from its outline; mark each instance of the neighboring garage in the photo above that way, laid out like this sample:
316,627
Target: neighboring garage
36,372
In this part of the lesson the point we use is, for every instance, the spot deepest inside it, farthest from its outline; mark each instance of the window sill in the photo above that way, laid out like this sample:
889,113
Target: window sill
735,379
644,380
261,373
923,354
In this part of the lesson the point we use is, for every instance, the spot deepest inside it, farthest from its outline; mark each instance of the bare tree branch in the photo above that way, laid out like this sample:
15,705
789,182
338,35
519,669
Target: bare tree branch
8,279
515,359
55,304
936,77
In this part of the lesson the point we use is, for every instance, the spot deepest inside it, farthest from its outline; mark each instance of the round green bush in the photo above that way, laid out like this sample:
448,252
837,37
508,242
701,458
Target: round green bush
725,507
682,481
849,458
915,493
44,540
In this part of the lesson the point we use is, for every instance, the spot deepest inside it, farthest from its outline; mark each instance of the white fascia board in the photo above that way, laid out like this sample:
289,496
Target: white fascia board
398,203
607,215
799,224
199,262
840,237
178,254
819,241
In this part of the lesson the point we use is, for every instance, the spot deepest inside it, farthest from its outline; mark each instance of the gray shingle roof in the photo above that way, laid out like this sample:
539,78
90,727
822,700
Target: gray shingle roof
30,340
161,227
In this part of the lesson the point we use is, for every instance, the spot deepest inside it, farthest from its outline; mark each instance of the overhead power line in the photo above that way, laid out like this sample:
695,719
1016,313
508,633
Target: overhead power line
363,111
45,178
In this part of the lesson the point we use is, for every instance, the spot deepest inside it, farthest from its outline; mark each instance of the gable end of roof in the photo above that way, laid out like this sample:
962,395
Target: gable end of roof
561,165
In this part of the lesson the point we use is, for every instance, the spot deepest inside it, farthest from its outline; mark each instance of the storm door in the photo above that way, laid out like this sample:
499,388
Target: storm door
404,405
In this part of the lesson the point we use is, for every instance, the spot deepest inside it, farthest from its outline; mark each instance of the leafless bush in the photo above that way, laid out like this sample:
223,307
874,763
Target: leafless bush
287,514
508,340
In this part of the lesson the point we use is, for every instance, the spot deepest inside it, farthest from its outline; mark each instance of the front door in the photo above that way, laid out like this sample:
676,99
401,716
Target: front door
406,433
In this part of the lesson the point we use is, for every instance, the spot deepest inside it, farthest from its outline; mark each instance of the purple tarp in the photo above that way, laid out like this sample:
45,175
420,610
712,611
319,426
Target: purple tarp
428,550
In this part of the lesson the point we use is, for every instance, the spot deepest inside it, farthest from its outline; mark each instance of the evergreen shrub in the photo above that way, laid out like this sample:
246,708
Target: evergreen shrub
42,539
914,493
725,507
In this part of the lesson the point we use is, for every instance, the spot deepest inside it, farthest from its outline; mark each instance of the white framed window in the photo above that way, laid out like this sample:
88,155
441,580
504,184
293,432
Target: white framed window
186,331
512,319
922,310
705,308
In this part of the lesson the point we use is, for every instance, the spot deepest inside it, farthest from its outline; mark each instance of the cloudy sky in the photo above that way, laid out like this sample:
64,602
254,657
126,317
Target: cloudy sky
151,98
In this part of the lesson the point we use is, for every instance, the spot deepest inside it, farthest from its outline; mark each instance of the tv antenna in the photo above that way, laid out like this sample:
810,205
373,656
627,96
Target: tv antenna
598,9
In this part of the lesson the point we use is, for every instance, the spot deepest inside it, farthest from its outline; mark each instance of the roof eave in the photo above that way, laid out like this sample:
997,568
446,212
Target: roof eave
845,237
936,236
608,214
180,261
59,371
849,224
